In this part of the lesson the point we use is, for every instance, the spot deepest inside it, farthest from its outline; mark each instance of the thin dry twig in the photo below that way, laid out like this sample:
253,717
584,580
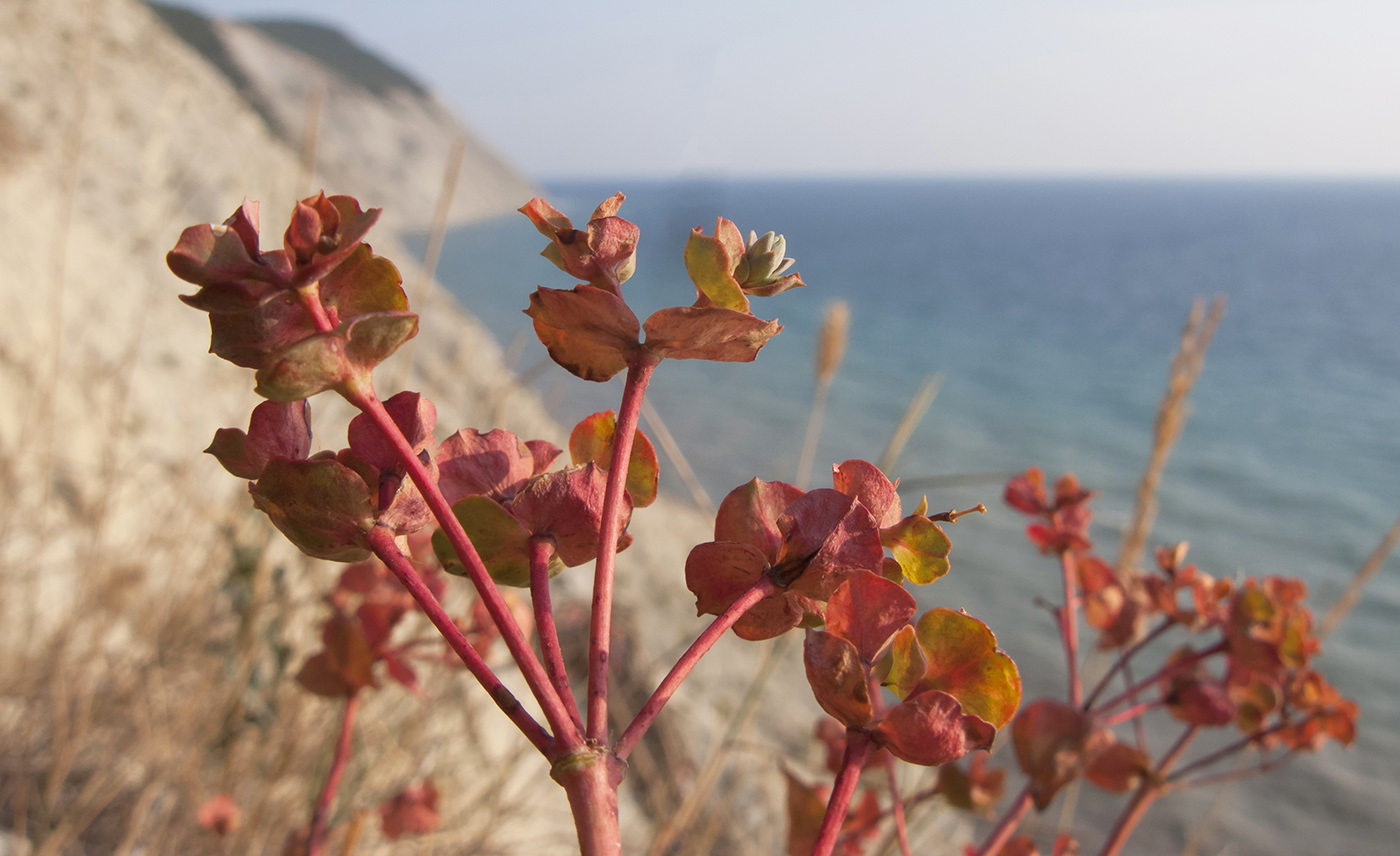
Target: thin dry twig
831,348
1352,593
419,293
1172,412
913,415
677,459
315,100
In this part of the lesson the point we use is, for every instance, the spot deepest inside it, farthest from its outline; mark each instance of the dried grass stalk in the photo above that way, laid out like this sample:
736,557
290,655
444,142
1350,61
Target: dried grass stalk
831,349
1171,417
1352,593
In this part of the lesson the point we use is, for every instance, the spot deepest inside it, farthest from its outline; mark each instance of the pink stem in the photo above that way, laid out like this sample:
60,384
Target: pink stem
310,295
858,749
1128,713
1177,665
1007,826
901,827
590,778
1123,659
1152,787
1226,751
1069,627
545,631
765,587
317,835
382,542
555,713
600,626
1235,775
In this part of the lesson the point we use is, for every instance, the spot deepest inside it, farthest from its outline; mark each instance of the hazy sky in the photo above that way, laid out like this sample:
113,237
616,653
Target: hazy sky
902,87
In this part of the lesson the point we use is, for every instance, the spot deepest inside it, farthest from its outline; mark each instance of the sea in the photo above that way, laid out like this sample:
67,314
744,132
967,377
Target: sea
1050,310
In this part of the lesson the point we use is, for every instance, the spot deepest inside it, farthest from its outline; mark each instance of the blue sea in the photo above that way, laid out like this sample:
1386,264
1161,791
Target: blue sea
1052,309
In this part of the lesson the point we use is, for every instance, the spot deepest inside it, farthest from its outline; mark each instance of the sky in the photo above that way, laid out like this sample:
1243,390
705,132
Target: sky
650,88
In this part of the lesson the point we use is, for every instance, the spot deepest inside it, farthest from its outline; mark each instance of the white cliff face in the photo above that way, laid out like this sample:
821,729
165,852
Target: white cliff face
380,135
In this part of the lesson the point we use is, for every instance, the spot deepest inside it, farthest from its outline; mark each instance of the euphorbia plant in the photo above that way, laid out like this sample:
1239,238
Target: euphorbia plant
322,311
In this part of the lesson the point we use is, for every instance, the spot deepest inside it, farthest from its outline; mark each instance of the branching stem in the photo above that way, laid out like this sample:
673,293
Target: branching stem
540,551
667,688
858,749
382,542
317,835
600,625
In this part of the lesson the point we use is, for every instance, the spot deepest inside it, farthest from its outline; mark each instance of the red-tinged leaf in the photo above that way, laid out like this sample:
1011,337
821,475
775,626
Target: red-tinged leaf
1026,492
402,673
612,246
827,536
494,464
866,610
976,789
1200,700
412,413
542,454
1254,702
964,662
276,430
362,577
838,679
920,547
213,255
349,650
303,233
707,333
501,540
411,812
806,807
319,676
372,339
377,619
864,481
363,284
311,365
546,217
220,815
749,514
270,322
567,505
711,267
931,729
906,664
1049,736
592,440
719,572
588,331
343,225
322,506
1115,766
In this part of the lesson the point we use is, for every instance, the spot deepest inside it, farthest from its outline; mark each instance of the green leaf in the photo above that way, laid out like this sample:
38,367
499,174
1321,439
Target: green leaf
712,270
501,540
965,663
322,506
592,440
315,364
838,679
920,546
371,339
364,284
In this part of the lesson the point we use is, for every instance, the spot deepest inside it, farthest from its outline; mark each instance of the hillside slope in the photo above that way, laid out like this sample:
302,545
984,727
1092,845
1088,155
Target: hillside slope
380,134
